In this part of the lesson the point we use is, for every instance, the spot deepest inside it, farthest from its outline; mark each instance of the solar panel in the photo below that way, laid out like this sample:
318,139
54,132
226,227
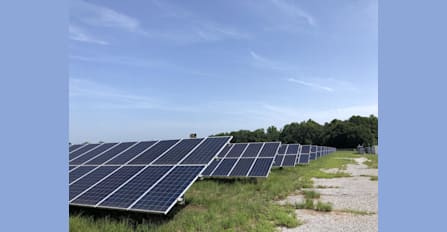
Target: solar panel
75,153
164,195
132,152
147,176
177,153
278,161
92,153
313,152
289,160
241,160
89,180
252,150
207,150
153,152
224,167
105,187
282,149
224,151
261,167
77,173
303,159
237,150
242,167
292,149
74,147
305,149
110,153
287,155
128,193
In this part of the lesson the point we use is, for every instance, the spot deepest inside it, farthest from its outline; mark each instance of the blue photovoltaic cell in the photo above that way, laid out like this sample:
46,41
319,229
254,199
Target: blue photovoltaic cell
237,150
303,159
305,149
85,182
242,167
87,156
75,174
261,167
224,167
131,153
71,167
252,150
135,188
82,150
210,168
293,149
74,147
105,187
282,149
178,152
110,153
312,156
154,152
289,160
313,149
207,150
166,193
224,151
269,150
278,160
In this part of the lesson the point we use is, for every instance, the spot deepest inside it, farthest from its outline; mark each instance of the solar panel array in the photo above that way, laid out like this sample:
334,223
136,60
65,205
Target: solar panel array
147,176
243,160
150,176
304,154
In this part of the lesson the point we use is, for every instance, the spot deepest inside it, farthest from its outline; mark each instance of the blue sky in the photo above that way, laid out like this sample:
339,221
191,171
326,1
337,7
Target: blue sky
141,70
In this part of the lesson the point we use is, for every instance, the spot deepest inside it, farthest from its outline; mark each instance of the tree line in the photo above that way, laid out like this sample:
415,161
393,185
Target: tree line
337,133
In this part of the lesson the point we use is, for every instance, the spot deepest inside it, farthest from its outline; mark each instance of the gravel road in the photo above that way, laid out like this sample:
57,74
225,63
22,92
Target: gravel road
357,193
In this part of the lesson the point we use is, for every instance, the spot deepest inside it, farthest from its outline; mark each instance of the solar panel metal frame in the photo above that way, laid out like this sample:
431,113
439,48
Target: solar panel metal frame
228,139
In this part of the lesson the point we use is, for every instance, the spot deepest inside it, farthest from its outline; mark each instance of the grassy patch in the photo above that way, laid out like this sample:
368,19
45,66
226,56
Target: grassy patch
372,178
323,206
307,204
357,212
231,205
326,186
311,194
373,161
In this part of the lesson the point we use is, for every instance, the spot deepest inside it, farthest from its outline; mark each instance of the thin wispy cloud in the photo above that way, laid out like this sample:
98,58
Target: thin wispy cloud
185,28
266,63
77,34
96,15
101,96
310,84
294,11
120,60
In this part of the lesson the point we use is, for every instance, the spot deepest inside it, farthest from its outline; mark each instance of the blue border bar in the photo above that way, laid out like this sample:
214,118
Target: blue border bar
412,115
34,116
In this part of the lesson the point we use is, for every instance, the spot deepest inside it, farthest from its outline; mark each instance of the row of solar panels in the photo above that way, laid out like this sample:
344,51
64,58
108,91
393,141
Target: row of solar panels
150,176
367,150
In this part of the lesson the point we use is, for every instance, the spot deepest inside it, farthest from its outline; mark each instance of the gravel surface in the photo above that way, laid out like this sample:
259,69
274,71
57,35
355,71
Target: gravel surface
351,193
335,222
